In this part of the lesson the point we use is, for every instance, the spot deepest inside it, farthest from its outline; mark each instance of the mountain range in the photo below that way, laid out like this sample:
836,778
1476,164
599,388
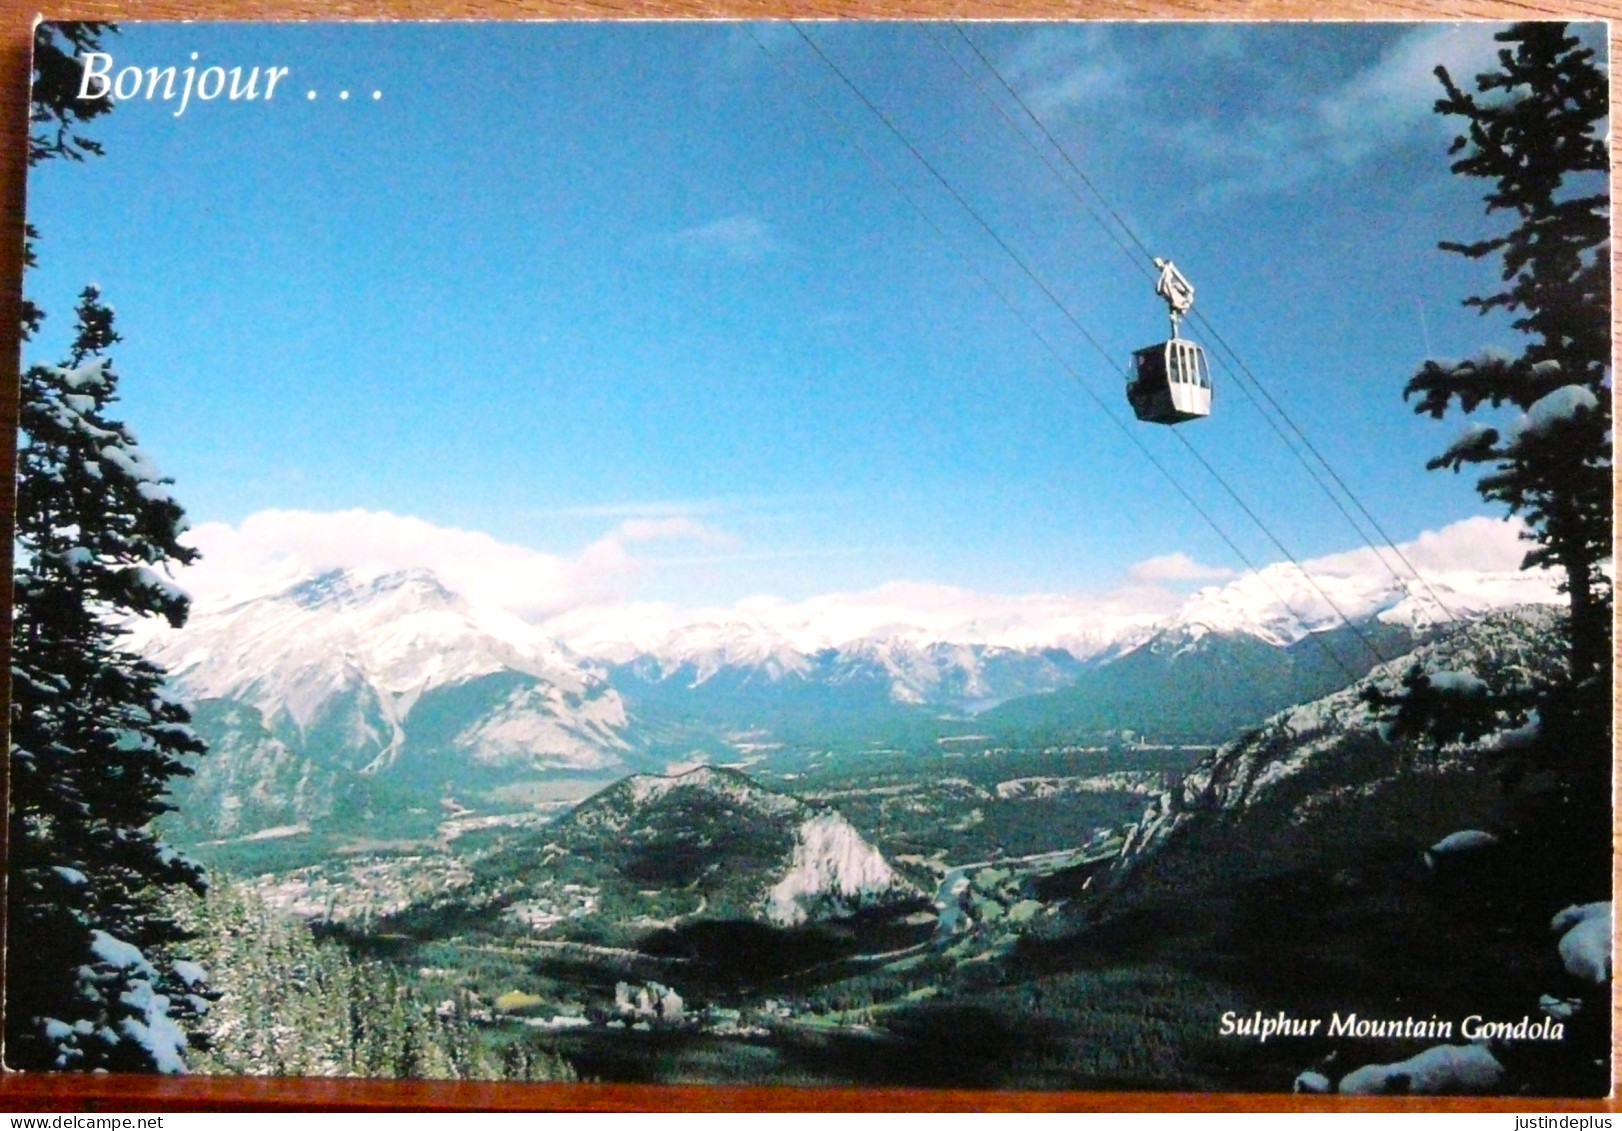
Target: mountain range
350,693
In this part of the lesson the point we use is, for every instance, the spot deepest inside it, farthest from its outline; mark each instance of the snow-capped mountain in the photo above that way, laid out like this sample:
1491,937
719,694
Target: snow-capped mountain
865,676
1284,603
1231,655
1236,653
1461,571
374,646
917,657
345,696
1319,760
764,632
289,649
310,688
1190,684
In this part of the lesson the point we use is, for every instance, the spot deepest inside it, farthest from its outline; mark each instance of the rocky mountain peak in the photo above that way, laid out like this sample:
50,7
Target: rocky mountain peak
346,589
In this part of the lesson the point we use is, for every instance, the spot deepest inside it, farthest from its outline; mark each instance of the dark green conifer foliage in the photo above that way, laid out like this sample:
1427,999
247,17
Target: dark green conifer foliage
95,738
1532,129
56,111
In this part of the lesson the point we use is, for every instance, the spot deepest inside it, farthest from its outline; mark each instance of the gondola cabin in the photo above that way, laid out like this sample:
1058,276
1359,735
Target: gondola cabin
1170,383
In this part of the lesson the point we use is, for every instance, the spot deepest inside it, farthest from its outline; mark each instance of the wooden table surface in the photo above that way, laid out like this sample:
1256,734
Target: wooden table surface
57,1094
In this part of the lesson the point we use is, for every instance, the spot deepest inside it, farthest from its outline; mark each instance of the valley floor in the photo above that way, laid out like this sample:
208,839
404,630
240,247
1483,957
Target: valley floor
1008,955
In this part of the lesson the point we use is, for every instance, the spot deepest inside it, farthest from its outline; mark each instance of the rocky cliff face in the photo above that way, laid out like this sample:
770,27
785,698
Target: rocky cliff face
833,873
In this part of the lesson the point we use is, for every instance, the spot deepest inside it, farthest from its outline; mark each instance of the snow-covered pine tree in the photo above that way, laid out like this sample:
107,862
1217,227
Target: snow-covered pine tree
56,113
1534,128
1537,126
95,736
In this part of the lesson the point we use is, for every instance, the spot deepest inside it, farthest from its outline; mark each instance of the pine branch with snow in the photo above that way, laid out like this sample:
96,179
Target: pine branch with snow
96,737
1534,129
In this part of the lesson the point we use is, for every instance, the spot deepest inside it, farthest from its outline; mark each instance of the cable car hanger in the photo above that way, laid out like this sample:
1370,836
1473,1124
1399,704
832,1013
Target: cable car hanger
1174,287
1171,382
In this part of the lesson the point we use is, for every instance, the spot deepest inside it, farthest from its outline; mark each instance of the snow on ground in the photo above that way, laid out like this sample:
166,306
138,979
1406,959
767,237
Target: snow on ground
1463,842
1585,945
647,788
1437,1071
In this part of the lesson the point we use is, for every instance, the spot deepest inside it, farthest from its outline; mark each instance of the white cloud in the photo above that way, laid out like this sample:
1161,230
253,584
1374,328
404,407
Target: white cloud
1377,108
742,239
1466,567
1283,137
611,556
586,599
1472,565
1479,544
1399,91
272,548
1287,132
634,530
1175,567
1058,71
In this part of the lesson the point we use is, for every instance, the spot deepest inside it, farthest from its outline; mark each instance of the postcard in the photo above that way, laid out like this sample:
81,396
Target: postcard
1059,556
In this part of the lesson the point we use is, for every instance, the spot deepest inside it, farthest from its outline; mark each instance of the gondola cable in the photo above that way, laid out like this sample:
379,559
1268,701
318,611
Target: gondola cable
1098,347
1058,355
1203,321
1461,626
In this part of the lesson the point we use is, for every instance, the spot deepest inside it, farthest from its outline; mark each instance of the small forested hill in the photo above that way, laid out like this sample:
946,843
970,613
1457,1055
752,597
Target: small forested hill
712,832
652,853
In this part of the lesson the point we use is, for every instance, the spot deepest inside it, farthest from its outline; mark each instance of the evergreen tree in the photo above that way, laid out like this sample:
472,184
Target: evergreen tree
292,1004
1531,128
1534,129
95,736
56,112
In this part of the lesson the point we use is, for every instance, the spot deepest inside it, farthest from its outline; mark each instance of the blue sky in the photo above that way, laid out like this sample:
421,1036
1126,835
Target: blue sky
625,289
